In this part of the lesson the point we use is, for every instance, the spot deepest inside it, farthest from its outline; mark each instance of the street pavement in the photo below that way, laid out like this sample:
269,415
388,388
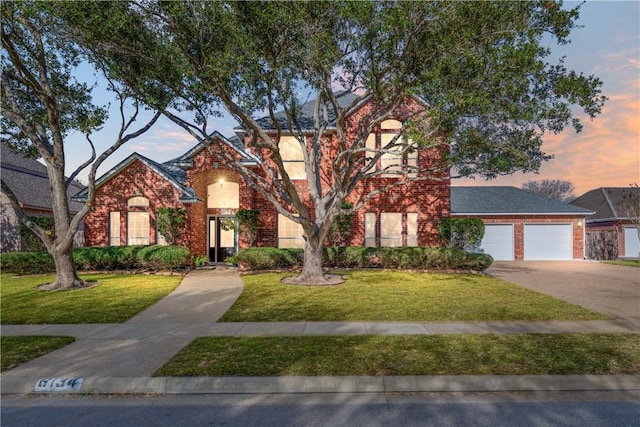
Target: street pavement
121,358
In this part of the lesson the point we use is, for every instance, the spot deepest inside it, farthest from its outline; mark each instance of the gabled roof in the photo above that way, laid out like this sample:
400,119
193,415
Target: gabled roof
28,180
507,201
605,202
174,175
234,142
305,114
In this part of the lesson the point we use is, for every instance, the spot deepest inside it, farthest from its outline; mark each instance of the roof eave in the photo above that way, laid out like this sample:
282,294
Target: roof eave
523,213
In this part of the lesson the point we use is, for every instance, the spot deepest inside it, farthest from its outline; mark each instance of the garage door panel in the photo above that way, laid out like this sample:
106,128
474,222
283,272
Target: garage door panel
631,242
498,241
543,242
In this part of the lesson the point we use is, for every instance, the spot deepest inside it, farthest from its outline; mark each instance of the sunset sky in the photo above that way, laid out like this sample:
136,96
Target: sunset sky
605,154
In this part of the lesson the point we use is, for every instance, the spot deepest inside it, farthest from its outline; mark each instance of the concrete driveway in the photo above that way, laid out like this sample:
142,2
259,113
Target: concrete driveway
609,289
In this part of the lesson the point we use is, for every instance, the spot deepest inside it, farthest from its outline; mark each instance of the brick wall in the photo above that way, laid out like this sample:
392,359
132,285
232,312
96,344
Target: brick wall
136,179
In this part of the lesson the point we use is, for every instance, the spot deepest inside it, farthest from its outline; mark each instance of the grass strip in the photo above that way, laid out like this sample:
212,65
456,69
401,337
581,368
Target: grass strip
624,262
115,299
523,354
17,350
374,295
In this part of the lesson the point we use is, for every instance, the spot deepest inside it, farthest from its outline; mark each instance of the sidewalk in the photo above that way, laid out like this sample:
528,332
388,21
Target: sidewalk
121,358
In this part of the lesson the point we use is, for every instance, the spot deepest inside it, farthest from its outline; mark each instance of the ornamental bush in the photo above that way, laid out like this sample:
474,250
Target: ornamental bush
419,258
104,258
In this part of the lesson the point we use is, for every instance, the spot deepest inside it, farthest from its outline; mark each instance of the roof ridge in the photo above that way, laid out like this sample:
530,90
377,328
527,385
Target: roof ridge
608,200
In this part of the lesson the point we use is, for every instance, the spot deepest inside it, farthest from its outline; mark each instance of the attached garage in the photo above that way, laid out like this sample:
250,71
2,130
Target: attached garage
631,242
520,225
498,241
548,242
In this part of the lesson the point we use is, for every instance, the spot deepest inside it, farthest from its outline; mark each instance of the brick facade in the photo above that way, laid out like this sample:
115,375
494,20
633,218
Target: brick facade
428,198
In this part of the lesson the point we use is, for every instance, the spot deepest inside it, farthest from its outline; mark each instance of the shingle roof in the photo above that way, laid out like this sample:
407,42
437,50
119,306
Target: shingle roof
28,180
605,202
234,142
305,114
507,200
176,176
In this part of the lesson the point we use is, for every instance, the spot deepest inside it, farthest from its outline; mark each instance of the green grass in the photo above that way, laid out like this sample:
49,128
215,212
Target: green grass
398,296
625,262
115,299
544,354
17,350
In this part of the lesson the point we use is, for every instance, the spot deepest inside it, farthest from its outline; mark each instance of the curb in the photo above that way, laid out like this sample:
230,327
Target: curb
353,384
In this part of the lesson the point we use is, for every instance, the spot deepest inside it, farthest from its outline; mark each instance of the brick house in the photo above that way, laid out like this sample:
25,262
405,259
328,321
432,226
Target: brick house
128,196
610,231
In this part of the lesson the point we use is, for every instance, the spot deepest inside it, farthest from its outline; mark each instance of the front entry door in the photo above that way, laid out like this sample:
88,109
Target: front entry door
222,238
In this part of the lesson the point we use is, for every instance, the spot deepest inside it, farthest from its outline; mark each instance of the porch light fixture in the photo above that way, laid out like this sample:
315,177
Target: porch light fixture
221,182
579,223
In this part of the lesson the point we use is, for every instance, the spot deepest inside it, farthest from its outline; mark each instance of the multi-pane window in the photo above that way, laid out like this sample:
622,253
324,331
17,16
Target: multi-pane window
292,157
138,202
393,162
412,229
138,228
391,229
114,228
370,229
223,195
289,233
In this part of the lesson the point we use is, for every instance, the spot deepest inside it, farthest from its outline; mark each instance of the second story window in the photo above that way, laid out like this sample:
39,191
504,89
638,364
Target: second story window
395,161
292,157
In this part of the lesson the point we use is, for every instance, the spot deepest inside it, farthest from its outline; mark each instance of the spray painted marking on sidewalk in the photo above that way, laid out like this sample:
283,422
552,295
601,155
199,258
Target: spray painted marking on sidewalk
58,384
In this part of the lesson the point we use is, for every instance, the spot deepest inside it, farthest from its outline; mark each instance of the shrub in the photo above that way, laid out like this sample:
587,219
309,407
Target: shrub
461,233
171,223
419,258
270,258
105,258
248,224
26,262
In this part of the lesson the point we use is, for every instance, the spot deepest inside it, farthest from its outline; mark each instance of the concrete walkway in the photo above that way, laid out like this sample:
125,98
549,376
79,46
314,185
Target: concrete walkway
115,358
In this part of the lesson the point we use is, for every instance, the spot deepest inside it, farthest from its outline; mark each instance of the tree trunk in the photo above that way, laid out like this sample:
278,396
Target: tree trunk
312,273
66,275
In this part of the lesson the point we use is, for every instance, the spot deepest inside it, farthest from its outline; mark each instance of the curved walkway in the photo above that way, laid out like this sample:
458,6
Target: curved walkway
123,357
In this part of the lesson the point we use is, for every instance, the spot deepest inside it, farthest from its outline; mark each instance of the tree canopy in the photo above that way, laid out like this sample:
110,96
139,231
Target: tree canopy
490,89
556,189
43,102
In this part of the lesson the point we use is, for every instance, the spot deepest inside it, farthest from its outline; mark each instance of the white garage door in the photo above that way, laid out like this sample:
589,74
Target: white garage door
548,242
631,242
498,241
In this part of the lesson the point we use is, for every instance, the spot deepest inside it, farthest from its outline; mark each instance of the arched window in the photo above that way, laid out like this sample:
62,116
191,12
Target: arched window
138,202
223,195
138,222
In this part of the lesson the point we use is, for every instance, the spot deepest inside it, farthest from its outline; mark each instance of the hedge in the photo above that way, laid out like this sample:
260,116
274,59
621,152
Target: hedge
106,258
419,258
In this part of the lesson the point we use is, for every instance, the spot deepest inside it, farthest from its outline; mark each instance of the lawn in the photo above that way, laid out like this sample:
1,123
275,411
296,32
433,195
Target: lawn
17,350
373,295
543,354
625,262
115,299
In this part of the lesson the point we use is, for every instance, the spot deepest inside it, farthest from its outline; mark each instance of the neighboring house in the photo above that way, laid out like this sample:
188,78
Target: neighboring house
28,180
128,196
520,225
611,230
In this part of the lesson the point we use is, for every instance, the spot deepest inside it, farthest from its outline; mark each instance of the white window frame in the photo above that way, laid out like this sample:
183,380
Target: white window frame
370,229
114,228
412,229
387,220
292,157
289,233
136,228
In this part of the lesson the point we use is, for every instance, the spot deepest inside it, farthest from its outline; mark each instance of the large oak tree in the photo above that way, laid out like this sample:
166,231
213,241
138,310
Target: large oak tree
481,69
43,102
